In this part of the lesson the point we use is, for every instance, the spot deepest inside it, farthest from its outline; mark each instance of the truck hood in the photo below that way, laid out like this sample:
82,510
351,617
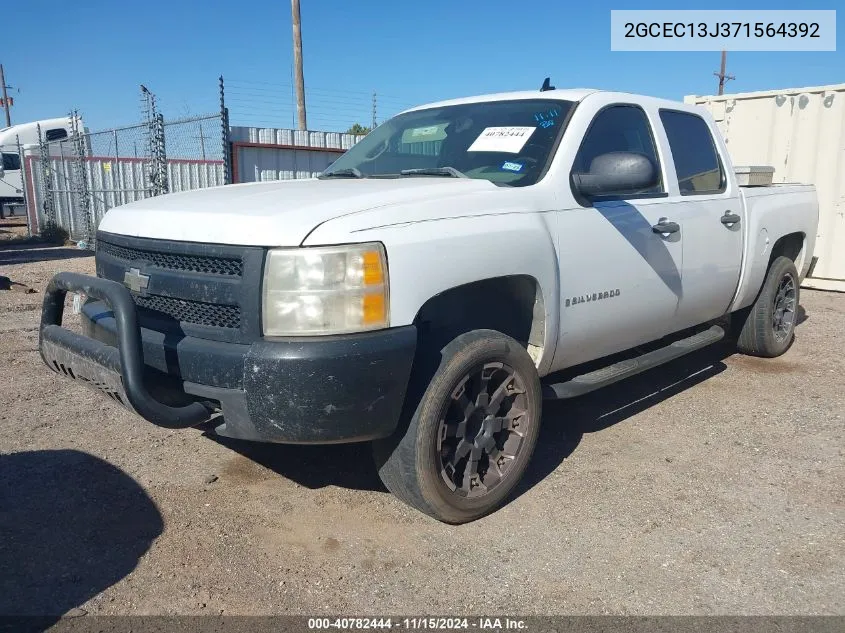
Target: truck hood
280,213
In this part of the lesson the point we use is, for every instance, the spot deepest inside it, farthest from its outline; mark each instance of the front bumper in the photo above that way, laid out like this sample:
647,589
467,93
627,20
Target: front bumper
305,390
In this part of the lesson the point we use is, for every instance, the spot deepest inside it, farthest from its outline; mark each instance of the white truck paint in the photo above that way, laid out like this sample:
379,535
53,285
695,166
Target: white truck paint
457,230
508,236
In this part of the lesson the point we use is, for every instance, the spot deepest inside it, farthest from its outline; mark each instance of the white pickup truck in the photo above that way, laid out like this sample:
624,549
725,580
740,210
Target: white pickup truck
424,292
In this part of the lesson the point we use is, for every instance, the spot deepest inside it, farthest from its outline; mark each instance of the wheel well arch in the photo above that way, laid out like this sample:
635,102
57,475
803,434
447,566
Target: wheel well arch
790,245
512,304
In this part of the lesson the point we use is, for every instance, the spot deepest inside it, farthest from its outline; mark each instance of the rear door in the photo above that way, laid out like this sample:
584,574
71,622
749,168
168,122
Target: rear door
707,206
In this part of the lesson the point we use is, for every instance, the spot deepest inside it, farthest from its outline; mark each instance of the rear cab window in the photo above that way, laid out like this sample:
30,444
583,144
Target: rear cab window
697,163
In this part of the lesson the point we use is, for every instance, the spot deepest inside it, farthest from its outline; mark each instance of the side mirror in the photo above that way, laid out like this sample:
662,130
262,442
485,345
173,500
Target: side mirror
616,173
2,171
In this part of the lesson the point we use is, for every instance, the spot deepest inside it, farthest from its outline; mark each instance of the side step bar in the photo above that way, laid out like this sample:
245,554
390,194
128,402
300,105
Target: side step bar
599,378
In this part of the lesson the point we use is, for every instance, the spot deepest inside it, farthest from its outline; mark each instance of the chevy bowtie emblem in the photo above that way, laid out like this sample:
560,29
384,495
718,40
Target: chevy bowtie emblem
135,281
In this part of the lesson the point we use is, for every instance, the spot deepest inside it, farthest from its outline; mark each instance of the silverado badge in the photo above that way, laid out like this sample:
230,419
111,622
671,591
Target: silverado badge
594,296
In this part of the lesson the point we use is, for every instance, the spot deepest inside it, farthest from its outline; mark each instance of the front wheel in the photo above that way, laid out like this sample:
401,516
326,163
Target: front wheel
768,328
472,434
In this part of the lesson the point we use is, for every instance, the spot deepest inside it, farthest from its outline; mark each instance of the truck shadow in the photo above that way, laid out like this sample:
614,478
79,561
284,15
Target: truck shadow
564,425
346,465
565,422
72,525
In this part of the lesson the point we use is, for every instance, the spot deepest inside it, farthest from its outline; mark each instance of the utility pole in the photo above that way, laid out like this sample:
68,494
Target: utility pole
297,64
721,74
202,142
5,97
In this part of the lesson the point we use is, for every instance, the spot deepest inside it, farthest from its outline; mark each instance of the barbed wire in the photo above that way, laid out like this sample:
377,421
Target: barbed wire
254,103
309,88
311,101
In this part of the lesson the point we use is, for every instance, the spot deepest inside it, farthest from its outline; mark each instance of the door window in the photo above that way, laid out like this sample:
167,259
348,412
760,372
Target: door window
619,128
694,152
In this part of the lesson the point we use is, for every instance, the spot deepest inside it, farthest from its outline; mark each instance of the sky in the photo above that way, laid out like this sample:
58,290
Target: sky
93,55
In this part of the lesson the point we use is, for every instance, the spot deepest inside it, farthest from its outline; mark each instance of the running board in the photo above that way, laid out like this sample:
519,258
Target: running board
599,378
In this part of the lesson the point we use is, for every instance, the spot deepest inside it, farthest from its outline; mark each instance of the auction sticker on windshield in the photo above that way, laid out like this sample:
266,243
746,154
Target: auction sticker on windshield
502,139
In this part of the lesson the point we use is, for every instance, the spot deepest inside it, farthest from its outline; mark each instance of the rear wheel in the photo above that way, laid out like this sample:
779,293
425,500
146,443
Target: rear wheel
472,434
768,328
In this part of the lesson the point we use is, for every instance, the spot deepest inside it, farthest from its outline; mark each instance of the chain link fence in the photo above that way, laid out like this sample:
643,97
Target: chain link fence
72,182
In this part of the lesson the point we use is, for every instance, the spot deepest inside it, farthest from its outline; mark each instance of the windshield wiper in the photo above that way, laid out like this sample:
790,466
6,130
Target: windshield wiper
434,171
349,172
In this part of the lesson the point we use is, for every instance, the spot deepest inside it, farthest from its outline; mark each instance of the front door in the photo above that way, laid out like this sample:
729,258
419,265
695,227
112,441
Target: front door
620,277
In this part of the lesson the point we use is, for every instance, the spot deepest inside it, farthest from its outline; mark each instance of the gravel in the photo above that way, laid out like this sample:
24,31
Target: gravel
713,485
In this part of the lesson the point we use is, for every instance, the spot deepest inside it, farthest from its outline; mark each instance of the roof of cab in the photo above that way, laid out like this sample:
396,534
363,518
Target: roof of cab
574,94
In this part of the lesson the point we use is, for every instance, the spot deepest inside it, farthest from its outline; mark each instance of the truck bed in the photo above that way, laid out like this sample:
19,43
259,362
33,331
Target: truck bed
773,211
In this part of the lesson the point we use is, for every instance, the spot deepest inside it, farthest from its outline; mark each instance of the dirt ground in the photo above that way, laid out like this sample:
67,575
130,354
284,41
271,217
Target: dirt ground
714,485
12,228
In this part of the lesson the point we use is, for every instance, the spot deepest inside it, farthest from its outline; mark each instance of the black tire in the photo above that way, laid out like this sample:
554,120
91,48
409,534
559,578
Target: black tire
768,326
416,464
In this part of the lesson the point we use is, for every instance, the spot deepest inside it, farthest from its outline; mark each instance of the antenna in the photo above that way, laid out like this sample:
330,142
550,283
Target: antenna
546,86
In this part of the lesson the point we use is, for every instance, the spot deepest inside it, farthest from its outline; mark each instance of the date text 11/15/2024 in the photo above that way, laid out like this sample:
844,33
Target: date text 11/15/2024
421,623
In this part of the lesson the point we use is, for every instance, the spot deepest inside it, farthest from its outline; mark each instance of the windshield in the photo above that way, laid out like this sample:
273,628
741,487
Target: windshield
505,142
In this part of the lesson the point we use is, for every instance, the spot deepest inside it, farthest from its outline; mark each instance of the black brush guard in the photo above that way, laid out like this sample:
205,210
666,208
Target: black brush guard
118,372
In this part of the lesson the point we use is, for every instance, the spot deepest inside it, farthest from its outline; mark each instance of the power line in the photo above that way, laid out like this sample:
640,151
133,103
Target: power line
308,86
239,111
240,120
249,102
286,99
234,82
244,107
283,96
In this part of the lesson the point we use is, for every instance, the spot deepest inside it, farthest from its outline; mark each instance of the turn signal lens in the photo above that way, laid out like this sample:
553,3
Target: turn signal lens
375,310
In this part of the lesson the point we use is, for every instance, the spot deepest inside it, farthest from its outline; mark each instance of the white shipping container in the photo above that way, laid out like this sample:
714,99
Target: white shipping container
801,133
333,140
284,137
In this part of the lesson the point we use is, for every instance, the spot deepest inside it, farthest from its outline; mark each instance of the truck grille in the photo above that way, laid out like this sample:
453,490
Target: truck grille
204,290
208,314
190,263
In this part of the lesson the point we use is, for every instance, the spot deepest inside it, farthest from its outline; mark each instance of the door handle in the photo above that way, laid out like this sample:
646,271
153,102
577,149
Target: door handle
729,219
664,226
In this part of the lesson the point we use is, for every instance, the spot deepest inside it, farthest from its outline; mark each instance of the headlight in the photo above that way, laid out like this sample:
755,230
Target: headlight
326,290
